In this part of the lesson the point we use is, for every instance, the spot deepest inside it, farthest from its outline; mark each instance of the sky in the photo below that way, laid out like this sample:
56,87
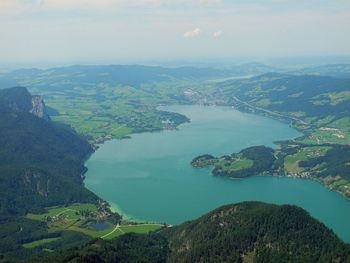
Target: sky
117,30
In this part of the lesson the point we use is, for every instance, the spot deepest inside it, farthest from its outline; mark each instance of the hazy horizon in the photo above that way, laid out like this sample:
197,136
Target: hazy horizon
278,62
65,32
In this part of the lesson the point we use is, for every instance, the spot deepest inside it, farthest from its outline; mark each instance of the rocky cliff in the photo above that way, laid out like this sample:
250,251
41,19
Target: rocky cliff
39,108
19,99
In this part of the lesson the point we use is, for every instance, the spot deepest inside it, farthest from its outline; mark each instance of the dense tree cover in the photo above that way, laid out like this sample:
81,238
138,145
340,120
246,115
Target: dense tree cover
15,231
262,156
267,233
41,163
129,248
15,99
244,232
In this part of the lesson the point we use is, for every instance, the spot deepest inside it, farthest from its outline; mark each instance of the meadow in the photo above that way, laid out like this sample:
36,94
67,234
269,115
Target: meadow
80,218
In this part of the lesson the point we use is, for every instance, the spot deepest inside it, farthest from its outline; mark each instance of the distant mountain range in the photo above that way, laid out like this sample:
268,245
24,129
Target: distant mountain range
333,70
135,75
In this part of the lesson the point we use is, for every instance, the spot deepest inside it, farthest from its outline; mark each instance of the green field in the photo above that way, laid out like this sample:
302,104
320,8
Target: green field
140,229
89,231
106,234
40,242
69,211
105,111
291,162
69,218
338,184
115,231
237,164
320,136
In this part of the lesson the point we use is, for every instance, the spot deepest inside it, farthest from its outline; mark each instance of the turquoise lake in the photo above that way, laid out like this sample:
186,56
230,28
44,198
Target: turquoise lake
149,177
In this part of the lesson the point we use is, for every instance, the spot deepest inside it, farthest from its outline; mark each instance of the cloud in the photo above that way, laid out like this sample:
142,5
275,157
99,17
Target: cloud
193,33
68,5
217,34
210,2
64,6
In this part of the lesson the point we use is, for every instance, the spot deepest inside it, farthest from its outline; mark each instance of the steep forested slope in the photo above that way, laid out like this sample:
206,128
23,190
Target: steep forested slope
265,233
41,163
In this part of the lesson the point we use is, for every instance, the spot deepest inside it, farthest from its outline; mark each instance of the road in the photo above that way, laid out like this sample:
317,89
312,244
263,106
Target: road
270,112
115,229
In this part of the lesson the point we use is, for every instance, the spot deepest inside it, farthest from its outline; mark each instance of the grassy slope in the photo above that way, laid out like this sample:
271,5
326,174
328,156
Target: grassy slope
40,242
68,219
62,210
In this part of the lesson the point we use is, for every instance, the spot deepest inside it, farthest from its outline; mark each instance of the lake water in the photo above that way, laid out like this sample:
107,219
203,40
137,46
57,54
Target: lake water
149,177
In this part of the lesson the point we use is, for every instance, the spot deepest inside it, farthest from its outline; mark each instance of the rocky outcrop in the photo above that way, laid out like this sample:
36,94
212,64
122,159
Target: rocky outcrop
36,182
39,108
19,99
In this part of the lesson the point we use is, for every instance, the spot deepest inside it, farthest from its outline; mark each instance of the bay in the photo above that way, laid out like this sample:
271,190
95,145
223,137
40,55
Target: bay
149,177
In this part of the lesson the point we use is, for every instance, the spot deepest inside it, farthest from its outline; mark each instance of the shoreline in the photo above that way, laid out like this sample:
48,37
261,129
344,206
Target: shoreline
116,209
125,216
310,178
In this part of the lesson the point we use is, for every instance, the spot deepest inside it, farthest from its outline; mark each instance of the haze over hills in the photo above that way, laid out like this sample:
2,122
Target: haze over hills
334,70
133,75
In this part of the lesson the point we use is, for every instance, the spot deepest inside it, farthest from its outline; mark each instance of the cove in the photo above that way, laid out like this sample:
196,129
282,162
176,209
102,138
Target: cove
149,177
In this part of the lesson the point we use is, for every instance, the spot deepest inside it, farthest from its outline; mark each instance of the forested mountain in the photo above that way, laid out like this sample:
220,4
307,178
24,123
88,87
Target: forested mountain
41,162
41,165
245,232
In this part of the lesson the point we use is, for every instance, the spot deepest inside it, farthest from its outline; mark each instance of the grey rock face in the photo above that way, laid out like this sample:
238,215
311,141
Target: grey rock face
38,107
19,99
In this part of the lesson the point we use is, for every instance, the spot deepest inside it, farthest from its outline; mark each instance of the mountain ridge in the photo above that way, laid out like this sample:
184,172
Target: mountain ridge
243,232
